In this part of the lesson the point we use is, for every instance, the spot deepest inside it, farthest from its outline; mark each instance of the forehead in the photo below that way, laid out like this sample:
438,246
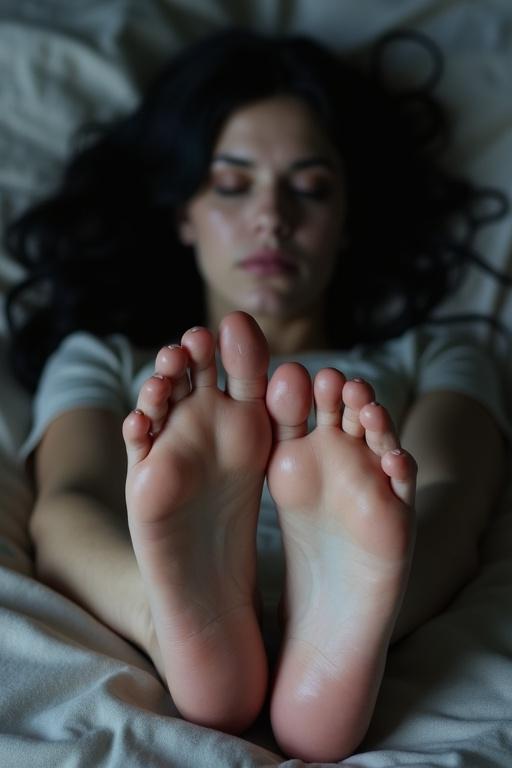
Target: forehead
282,128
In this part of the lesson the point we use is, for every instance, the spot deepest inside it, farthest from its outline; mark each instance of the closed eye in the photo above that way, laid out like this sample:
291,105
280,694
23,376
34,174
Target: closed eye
312,194
229,191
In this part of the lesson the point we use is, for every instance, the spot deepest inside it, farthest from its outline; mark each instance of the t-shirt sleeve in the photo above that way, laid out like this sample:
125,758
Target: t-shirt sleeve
83,372
457,365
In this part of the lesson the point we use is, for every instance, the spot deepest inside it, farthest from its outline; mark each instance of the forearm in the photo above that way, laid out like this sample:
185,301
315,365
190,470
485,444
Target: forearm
84,551
460,455
445,554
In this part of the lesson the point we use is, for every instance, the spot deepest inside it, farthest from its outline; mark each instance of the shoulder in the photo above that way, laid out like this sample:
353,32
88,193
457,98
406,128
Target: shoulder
443,357
89,350
83,372
449,361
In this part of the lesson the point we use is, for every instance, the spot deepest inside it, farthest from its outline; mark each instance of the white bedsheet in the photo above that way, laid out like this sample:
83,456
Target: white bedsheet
72,693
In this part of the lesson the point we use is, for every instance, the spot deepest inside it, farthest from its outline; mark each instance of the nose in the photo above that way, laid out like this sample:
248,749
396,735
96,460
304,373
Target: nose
273,217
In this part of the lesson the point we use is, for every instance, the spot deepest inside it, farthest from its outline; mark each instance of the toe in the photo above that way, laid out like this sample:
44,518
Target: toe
289,399
402,470
136,428
200,345
356,394
172,362
153,400
328,389
244,354
380,432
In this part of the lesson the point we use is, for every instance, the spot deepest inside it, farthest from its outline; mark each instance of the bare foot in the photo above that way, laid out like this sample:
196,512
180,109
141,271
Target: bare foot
196,465
344,494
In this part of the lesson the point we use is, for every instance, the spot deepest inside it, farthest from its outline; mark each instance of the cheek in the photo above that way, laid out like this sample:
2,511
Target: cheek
325,231
216,227
216,244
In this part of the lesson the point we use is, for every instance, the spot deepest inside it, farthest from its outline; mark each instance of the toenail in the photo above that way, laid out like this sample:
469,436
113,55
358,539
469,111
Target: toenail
398,451
374,402
195,329
174,346
138,412
158,376
357,379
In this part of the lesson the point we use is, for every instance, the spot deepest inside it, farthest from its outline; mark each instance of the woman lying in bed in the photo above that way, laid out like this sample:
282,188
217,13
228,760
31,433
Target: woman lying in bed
294,209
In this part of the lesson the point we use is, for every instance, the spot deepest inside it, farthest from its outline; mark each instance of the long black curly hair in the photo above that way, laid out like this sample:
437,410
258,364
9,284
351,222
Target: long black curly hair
103,249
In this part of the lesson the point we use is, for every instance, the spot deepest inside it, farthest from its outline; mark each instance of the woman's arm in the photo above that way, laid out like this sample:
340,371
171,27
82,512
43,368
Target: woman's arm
460,454
79,526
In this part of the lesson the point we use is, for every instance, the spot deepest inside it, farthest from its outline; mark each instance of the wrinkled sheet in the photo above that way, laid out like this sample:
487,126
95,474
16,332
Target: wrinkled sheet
72,693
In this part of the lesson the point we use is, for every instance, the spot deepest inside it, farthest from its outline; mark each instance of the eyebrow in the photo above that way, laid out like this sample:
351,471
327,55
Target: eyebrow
306,162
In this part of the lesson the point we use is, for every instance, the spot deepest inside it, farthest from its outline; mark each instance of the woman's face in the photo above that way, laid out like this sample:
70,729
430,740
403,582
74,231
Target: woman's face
267,224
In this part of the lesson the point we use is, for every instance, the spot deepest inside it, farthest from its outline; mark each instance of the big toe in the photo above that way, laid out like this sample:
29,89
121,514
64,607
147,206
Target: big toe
245,356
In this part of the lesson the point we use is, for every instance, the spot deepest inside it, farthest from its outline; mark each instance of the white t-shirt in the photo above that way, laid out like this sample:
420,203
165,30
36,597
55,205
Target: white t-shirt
88,372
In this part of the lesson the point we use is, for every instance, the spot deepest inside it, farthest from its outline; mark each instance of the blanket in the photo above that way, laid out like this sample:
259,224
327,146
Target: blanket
73,693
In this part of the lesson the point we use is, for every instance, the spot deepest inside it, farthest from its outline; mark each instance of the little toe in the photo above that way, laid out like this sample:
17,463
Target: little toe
289,397
136,434
402,470
153,400
356,394
380,432
328,388
200,345
244,354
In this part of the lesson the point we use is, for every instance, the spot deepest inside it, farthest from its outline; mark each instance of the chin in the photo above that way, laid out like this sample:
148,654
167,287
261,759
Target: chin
266,304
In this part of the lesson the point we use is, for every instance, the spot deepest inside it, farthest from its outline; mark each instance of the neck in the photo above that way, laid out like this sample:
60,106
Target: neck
287,336
292,336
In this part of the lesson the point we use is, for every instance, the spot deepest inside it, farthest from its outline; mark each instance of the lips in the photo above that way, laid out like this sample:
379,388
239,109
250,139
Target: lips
269,263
